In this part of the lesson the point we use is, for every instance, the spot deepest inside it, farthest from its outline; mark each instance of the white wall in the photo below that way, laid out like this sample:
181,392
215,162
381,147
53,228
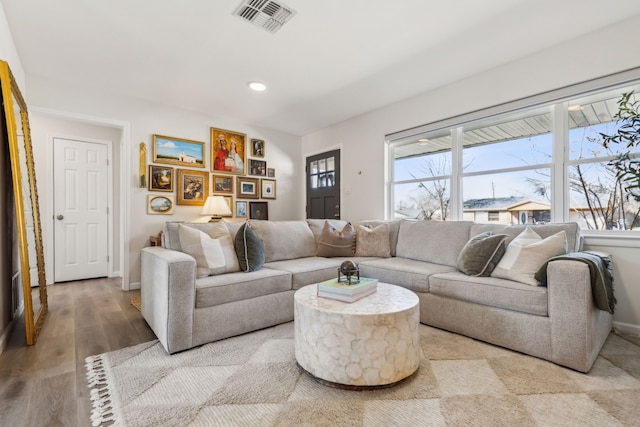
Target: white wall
145,119
363,138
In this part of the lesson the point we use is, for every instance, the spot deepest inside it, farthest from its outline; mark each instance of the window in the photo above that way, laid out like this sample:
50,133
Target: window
533,165
322,173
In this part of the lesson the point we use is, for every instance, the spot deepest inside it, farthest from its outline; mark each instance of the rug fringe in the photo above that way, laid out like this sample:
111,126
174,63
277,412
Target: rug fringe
99,393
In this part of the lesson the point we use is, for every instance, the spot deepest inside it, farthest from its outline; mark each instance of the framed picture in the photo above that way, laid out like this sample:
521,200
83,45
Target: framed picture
271,172
247,188
258,167
241,209
193,187
258,210
223,184
160,204
257,148
228,151
178,151
160,178
268,187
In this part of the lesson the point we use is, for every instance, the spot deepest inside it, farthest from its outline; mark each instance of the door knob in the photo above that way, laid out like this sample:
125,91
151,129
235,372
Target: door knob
60,217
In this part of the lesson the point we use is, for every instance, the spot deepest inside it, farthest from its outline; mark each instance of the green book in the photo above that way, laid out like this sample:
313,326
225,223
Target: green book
333,286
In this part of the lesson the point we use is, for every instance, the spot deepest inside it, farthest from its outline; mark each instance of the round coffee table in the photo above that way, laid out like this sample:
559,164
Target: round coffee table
373,342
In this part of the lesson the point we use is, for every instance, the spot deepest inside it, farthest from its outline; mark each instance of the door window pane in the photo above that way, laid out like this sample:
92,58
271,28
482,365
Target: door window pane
331,164
322,165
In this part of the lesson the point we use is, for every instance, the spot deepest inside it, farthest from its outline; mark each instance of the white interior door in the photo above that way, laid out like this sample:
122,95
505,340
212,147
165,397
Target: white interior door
80,209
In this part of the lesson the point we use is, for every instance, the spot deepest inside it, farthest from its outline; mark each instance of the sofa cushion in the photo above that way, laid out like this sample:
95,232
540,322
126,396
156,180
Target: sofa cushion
491,291
336,242
408,273
574,240
317,225
212,255
394,229
527,253
249,248
481,254
285,239
308,270
373,242
433,241
225,288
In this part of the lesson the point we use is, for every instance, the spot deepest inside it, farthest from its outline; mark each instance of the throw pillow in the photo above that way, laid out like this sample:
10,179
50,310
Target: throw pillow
206,251
373,241
220,231
481,254
334,243
526,254
249,248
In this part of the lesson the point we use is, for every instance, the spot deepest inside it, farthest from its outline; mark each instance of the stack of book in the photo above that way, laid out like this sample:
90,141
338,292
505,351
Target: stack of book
348,293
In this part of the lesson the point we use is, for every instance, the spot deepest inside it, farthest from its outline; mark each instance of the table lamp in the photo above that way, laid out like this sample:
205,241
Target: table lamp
217,207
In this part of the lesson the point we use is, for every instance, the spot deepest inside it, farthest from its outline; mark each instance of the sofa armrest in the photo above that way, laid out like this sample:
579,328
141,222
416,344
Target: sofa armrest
168,294
578,328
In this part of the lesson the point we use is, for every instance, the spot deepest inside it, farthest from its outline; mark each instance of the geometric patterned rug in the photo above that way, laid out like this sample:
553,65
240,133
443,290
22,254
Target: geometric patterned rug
253,380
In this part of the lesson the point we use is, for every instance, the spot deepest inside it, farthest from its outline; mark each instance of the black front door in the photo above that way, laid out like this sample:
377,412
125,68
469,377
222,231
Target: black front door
323,185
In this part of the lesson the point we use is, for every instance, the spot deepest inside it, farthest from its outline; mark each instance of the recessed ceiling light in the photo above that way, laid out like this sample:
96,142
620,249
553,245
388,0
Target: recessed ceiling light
257,86
576,107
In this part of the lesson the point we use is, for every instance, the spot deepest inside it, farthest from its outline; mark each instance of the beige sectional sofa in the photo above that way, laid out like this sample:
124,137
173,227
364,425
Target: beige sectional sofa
558,322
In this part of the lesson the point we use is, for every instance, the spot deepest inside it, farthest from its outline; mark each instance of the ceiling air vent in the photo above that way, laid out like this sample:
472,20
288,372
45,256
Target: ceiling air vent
265,14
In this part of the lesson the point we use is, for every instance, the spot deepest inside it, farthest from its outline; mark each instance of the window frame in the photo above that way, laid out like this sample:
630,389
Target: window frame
557,101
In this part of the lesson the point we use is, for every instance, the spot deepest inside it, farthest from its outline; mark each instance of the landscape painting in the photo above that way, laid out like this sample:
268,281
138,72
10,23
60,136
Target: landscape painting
178,151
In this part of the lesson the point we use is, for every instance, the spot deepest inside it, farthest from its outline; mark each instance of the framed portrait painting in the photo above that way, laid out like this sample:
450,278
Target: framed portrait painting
193,187
268,188
241,209
160,178
257,148
176,151
228,151
247,188
222,184
259,210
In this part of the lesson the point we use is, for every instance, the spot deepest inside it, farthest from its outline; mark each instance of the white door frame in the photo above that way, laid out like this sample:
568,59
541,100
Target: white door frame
109,145
125,190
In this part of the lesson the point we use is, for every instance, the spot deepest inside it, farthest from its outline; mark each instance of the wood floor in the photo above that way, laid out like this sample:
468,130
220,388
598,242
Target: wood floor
45,384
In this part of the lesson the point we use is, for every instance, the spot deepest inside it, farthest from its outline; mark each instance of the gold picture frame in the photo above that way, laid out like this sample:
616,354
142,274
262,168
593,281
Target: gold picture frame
222,184
178,151
160,204
228,151
268,188
193,187
247,188
161,178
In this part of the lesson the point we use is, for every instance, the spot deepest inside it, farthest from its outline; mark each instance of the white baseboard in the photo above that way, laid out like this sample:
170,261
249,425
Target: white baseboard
4,339
627,328
134,285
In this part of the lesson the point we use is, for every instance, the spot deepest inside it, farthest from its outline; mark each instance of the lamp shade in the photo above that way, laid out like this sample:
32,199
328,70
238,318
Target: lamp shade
216,206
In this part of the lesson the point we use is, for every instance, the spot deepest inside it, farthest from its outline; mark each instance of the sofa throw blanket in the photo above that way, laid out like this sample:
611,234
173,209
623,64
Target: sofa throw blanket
599,271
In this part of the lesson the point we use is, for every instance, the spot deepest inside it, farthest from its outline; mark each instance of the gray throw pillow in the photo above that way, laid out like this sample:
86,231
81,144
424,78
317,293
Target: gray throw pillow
481,254
336,243
249,248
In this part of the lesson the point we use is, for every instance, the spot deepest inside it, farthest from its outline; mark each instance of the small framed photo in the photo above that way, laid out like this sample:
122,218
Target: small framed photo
247,188
271,172
176,151
160,204
268,187
228,151
257,148
259,210
222,184
193,187
160,178
258,167
241,209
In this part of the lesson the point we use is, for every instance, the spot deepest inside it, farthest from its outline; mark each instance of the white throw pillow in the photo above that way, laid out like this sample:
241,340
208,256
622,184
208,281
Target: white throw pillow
526,254
209,253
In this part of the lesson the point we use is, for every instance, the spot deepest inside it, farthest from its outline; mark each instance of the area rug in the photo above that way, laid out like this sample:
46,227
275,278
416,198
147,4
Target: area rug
253,380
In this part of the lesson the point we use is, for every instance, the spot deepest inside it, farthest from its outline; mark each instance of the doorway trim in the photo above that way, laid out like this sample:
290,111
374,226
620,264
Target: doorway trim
125,189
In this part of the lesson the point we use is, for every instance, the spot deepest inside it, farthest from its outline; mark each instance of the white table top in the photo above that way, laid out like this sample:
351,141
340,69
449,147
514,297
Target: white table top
387,299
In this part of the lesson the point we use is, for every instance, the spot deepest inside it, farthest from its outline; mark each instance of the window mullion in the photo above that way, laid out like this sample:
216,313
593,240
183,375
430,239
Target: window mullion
559,173
456,174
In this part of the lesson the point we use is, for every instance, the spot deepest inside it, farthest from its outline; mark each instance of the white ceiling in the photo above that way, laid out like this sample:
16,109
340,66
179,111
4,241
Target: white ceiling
334,60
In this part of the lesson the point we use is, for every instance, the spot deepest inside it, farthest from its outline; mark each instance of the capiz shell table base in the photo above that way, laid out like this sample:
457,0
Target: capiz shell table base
372,342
